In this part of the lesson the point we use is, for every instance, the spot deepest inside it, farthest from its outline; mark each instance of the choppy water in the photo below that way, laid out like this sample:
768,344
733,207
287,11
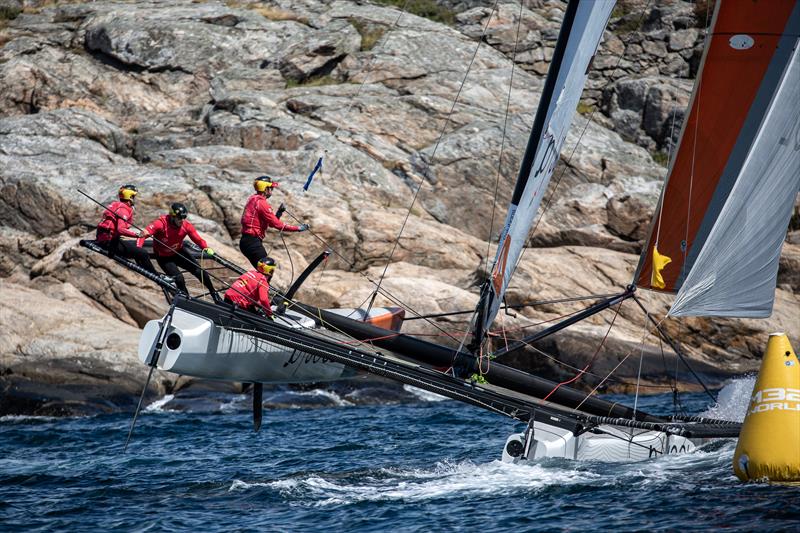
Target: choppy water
427,466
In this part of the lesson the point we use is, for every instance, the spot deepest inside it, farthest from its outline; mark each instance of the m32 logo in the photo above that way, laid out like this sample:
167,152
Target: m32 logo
775,399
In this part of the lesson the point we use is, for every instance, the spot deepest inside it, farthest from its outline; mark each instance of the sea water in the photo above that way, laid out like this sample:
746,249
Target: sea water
432,465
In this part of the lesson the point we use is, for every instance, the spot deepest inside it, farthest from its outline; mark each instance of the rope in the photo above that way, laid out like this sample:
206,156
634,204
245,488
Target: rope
383,291
685,243
433,154
597,351
580,138
503,139
594,390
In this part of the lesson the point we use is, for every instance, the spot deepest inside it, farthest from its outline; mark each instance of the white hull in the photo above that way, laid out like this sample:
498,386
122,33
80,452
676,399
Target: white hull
195,346
612,444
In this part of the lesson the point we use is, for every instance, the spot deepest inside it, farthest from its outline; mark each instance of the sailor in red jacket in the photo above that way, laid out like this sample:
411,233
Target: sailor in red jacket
168,232
257,217
251,290
116,223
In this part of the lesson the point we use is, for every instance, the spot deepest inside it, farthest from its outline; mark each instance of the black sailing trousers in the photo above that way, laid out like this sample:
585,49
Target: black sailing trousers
128,249
171,265
252,248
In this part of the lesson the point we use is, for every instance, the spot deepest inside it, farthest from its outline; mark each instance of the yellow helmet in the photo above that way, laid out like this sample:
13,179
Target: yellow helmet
262,183
127,192
266,266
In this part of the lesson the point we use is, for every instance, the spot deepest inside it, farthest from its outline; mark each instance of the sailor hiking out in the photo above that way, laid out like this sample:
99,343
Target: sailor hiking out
168,232
251,290
116,223
258,217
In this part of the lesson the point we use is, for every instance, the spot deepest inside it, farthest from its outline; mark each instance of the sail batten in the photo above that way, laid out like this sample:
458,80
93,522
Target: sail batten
745,67
581,32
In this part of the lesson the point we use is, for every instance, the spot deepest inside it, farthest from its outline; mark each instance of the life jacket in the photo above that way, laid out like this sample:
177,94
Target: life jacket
168,240
249,291
258,217
117,218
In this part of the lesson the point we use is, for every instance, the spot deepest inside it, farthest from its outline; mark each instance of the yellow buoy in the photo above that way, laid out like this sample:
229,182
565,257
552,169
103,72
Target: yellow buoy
769,443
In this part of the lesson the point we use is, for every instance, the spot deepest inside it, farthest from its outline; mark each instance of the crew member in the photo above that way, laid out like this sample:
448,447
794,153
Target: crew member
168,232
251,290
116,223
257,217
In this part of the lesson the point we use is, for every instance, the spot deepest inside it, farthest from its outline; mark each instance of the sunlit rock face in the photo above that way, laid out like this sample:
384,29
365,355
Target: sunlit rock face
190,101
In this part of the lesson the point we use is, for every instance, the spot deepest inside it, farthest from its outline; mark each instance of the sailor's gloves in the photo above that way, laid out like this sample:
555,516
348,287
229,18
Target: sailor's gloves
208,251
304,227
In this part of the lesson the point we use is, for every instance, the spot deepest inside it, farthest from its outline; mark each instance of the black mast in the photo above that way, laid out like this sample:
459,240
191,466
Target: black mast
487,294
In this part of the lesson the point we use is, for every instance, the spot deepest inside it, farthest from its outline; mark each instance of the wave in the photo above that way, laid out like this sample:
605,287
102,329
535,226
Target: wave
158,405
423,395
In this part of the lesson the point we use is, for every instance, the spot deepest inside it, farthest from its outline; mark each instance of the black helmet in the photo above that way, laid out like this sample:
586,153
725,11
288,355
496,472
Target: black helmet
178,210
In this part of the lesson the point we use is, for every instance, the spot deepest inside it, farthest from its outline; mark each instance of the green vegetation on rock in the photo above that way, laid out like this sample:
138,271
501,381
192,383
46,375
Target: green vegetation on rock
370,33
428,9
313,81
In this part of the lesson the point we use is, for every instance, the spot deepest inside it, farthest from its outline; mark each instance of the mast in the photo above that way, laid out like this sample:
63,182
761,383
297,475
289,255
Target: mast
580,34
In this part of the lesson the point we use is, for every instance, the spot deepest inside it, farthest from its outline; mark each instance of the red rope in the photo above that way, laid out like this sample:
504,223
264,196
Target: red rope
584,369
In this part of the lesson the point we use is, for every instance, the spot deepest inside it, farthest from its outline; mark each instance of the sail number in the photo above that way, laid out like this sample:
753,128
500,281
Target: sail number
775,399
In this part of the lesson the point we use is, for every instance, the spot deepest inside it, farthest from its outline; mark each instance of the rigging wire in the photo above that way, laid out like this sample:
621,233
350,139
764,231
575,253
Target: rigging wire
503,139
596,353
627,355
685,243
580,138
433,153
522,305
388,295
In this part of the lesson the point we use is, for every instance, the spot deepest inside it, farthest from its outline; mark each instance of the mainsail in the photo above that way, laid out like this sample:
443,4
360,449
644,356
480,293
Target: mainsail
722,217
581,31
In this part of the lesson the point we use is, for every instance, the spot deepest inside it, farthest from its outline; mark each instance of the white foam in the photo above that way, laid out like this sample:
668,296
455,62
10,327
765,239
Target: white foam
335,398
733,400
234,404
464,479
158,405
423,395
23,418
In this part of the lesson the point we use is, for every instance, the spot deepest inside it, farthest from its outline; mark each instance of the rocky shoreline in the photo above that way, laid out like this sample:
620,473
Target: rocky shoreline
190,100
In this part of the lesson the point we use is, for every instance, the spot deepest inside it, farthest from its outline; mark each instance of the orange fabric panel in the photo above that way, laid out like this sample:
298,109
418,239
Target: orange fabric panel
392,319
729,82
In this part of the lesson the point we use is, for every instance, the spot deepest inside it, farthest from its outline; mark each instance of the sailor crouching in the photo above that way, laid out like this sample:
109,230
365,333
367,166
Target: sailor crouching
258,217
168,232
251,291
116,223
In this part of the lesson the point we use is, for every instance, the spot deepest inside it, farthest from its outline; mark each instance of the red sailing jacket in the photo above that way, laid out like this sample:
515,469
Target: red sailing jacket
171,236
258,216
251,289
116,220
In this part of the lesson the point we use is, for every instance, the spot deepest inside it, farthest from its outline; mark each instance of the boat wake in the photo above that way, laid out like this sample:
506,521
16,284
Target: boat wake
465,479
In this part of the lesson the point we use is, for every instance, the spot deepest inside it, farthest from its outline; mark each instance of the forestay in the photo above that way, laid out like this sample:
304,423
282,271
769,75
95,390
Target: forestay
581,31
720,223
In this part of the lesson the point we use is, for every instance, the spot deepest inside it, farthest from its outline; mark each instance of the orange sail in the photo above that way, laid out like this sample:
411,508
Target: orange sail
750,44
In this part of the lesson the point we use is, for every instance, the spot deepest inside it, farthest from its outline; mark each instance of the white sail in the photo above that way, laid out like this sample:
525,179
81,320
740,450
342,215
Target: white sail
582,29
736,271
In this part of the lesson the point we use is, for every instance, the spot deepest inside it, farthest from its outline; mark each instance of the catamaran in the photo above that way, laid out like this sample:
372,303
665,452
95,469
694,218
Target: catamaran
715,241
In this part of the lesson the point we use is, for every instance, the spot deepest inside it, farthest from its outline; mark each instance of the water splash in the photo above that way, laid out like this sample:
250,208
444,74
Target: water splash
158,405
423,395
732,400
